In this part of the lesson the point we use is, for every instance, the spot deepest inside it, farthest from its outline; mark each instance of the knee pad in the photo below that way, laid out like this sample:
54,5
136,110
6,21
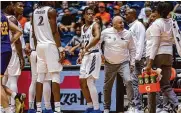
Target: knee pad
55,77
41,77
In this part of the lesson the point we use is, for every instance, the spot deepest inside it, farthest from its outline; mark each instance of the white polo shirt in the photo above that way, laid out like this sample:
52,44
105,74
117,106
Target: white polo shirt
138,33
161,35
119,46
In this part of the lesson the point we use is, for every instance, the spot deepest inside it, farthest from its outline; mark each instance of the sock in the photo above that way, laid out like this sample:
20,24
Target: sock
13,94
31,105
90,105
38,104
57,106
48,105
8,110
106,111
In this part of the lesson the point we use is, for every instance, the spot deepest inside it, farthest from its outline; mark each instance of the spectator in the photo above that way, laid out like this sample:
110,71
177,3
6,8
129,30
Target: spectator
67,22
103,14
142,14
147,14
117,10
27,27
177,14
99,21
73,46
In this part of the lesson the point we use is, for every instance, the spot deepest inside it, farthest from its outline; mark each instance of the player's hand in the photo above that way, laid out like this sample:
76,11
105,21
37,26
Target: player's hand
85,50
66,29
79,60
22,63
27,51
131,68
148,69
62,57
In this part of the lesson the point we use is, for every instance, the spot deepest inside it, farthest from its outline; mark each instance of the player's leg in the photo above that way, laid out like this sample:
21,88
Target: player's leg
39,91
110,75
47,95
34,76
93,70
12,80
56,90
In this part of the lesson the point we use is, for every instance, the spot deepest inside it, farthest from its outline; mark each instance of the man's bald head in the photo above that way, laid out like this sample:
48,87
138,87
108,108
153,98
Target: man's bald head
118,23
130,15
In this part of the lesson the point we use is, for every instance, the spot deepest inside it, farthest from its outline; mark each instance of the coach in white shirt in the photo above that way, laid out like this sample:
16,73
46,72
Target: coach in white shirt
119,53
138,33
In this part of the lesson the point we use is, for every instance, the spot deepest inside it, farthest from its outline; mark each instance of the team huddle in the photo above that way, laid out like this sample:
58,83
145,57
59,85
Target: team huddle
121,53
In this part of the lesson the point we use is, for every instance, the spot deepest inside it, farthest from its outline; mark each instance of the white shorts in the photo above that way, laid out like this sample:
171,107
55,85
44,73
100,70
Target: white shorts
47,58
13,68
91,65
33,60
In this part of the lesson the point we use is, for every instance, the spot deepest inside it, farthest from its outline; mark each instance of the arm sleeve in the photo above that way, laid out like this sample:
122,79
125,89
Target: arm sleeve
155,35
141,42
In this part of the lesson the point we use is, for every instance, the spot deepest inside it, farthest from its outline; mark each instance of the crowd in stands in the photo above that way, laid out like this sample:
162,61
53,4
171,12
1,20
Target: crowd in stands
69,19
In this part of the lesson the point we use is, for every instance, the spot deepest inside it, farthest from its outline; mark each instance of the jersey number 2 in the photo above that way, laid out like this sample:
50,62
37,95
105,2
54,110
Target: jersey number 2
41,21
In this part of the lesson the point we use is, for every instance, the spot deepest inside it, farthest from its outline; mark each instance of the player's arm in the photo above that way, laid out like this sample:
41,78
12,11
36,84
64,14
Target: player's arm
18,44
14,28
33,33
96,34
52,15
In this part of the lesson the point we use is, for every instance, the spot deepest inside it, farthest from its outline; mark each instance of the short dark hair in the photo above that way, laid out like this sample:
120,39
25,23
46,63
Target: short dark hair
86,9
65,9
77,25
4,4
164,8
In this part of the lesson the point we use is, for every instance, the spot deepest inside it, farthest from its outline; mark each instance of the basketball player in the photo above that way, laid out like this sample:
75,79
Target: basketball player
30,50
91,61
16,63
49,51
6,53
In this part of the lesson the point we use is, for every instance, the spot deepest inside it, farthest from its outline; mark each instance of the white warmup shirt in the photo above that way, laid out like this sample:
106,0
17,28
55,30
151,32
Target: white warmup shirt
161,36
42,26
119,46
138,33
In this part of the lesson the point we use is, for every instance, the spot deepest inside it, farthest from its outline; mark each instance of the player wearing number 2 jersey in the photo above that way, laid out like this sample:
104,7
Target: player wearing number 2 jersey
91,61
49,51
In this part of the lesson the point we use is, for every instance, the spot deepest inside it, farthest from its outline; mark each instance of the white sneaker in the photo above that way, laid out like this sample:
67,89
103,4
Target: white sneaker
138,111
158,110
179,109
106,111
131,110
164,111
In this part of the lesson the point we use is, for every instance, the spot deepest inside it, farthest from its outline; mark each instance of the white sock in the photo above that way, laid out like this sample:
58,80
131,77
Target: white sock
48,105
93,92
38,104
31,105
8,110
57,106
106,111
90,105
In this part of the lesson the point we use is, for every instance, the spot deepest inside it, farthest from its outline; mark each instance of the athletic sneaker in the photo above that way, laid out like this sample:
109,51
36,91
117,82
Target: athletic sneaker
131,110
19,102
48,111
164,111
31,111
138,111
179,109
158,110
106,111
88,110
96,111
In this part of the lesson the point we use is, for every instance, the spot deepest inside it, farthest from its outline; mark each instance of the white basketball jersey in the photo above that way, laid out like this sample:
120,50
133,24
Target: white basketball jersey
87,37
42,28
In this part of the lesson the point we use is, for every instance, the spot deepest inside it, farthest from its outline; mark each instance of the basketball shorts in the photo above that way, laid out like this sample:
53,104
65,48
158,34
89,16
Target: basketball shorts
33,60
47,58
5,59
91,65
13,68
